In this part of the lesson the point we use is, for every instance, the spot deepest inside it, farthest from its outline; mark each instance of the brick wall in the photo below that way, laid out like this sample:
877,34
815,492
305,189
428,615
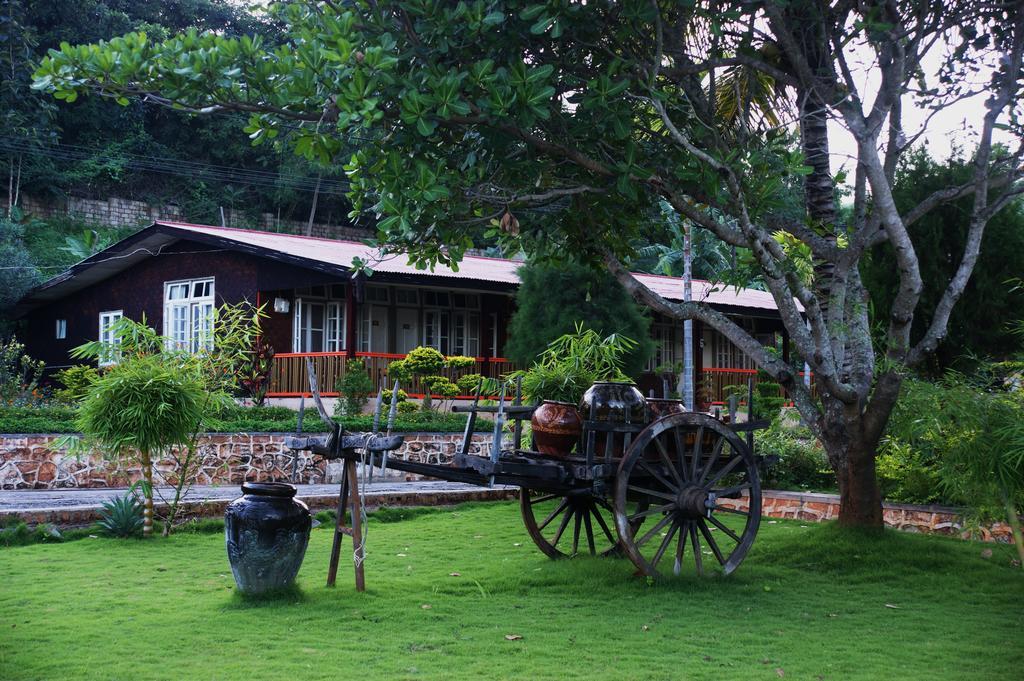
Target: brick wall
119,212
28,462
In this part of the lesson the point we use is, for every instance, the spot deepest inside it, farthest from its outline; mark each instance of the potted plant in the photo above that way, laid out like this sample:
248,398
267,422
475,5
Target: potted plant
560,377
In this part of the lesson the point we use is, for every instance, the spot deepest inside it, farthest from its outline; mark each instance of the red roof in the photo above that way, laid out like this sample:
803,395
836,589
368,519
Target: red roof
474,267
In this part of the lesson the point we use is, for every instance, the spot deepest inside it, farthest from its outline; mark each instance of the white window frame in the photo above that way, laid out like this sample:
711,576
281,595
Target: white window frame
188,320
61,330
334,326
443,324
111,354
468,343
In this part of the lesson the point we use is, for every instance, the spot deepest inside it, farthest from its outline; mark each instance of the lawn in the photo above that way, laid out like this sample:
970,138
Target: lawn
446,588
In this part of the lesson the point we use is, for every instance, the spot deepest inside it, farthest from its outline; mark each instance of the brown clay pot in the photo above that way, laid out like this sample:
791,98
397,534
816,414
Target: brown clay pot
556,427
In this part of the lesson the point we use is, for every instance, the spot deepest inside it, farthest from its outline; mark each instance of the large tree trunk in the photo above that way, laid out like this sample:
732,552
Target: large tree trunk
850,438
860,500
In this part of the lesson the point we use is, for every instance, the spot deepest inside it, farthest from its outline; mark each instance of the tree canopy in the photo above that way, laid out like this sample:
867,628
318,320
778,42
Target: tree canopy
551,301
557,126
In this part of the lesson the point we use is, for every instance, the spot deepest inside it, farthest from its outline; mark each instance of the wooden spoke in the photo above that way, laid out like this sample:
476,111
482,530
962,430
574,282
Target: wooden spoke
542,499
711,541
658,476
697,557
561,507
667,460
654,530
724,471
578,518
665,543
726,509
653,493
733,490
677,436
590,529
604,526
677,568
724,528
561,528
698,450
715,453
652,511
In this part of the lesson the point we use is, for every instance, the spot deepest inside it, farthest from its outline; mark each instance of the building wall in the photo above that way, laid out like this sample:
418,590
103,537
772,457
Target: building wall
137,291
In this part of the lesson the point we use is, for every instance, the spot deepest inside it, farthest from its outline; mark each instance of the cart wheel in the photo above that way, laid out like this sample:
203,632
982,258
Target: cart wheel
577,522
681,466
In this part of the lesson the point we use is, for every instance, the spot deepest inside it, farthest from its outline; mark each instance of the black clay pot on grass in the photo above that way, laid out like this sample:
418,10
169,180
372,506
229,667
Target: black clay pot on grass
266,530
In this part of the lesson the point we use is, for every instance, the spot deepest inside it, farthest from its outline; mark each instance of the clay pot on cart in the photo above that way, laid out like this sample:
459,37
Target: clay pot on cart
266,531
556,427
660,408
612,402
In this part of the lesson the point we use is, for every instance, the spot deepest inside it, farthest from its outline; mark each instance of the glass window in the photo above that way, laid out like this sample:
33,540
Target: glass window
318,326
436,299
62,329
407,296
376,294
466,334
436,329
109,353
189,313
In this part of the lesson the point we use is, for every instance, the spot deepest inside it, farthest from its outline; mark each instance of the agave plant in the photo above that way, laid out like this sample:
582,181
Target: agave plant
121,517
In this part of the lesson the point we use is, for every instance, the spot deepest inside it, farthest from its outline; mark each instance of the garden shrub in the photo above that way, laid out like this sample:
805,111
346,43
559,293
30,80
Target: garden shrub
802,464
355,388
61,420
19,374
76,381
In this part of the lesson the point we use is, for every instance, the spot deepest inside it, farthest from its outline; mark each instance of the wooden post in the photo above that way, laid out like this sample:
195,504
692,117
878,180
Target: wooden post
358,550
351,319
339,530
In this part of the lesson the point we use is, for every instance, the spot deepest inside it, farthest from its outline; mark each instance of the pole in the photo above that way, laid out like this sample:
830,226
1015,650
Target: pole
687,381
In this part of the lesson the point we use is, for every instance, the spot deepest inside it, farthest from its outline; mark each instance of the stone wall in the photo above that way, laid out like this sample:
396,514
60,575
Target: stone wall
120,212
29,462
907,517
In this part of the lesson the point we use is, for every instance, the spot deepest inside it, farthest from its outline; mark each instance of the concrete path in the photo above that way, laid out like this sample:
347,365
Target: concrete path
71,506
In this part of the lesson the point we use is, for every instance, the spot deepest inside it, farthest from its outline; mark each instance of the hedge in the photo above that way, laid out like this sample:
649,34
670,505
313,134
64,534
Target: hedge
242,420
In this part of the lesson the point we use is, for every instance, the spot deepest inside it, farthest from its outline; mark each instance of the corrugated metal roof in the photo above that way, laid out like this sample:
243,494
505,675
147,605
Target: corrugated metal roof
473,267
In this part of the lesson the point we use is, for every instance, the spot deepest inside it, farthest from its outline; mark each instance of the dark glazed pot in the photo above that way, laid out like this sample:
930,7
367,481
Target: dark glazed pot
618,402
266,530
556,427
659,408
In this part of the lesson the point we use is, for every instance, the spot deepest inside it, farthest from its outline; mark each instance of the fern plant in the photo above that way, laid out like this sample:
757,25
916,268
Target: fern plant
121,517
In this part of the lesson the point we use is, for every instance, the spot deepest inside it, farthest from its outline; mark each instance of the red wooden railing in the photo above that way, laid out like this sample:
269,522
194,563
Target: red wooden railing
288,377
714,383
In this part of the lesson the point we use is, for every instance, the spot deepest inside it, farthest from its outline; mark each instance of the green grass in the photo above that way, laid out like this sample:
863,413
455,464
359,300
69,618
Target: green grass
809,603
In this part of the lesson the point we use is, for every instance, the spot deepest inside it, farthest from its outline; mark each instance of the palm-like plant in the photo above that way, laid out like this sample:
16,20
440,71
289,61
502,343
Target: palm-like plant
89,242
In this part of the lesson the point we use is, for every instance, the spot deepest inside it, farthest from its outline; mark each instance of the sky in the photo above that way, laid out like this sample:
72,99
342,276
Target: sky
958,125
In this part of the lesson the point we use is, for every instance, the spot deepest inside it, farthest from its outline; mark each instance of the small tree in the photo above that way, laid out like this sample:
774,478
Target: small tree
427,365
156,399
552,300
142,407
354,388
572,363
